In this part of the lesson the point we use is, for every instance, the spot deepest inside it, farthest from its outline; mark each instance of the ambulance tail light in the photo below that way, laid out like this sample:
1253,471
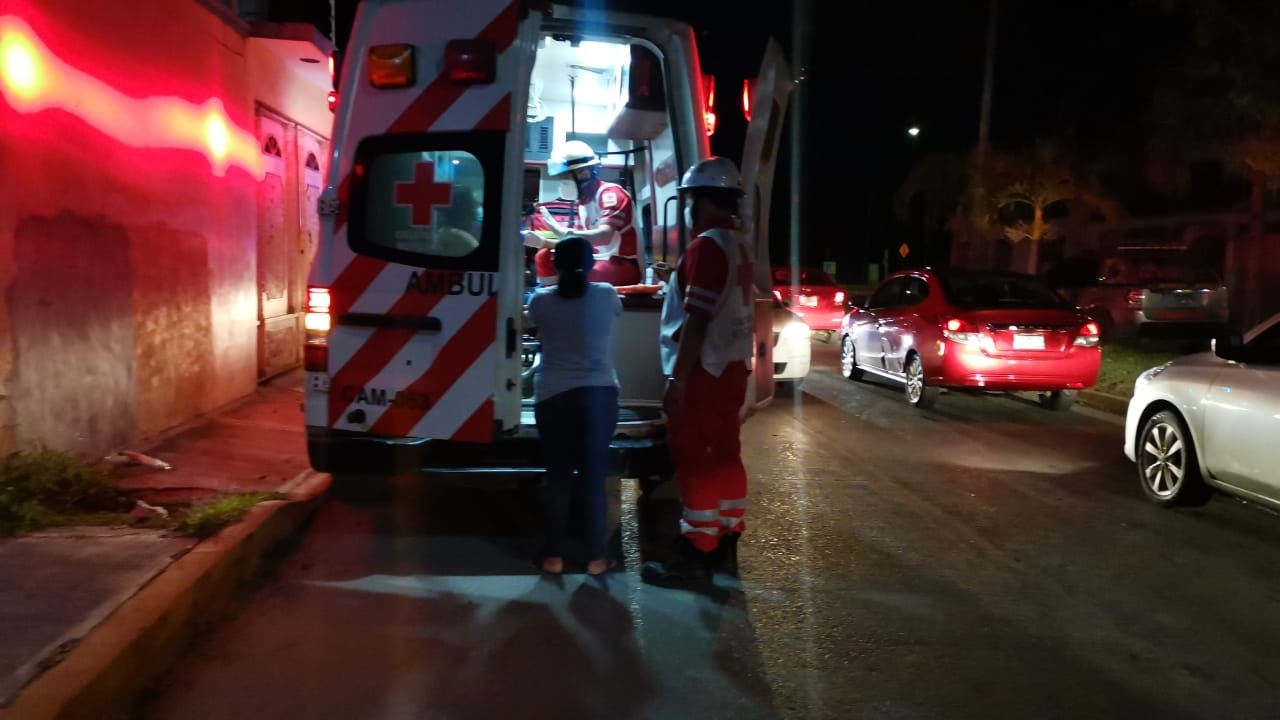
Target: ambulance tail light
471,62
391,66
747,87
839,298
709,97
317,321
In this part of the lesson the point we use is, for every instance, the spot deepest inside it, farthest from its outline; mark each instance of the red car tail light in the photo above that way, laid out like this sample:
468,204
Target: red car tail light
1135,298
1088,336
961,331
839,298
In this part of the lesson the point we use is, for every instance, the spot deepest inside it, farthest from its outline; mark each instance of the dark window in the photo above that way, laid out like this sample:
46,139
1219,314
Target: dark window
914,291
888,295
1265,348
271,146
421,199
985,291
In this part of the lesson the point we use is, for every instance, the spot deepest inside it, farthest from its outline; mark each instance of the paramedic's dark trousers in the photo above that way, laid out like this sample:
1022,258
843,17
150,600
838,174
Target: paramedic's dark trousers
706,449
575,428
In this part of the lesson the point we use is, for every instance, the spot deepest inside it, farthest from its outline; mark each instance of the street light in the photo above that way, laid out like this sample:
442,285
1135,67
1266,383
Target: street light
913,131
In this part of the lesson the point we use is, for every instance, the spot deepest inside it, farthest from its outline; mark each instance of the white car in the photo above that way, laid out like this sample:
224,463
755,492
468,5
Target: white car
792,350
1210,420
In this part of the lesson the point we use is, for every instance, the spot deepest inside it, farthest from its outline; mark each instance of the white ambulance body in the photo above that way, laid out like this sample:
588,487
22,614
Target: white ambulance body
447,111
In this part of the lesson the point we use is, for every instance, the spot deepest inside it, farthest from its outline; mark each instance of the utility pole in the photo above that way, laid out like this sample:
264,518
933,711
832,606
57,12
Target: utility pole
984,125
988,73
799,94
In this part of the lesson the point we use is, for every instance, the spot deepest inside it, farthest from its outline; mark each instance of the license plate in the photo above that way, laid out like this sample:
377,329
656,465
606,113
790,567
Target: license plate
1027,341
809,300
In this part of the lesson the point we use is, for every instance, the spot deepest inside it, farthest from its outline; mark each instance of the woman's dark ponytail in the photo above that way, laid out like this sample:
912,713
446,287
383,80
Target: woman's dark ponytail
574,258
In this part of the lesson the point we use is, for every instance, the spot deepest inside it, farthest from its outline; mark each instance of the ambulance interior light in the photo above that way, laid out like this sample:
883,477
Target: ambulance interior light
471,62
391,66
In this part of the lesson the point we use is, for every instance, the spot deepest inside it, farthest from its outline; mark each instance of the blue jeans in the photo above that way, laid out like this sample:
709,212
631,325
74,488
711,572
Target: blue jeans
576,427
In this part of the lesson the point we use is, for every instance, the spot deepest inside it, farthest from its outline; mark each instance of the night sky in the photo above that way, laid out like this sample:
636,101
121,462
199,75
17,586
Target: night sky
1082,68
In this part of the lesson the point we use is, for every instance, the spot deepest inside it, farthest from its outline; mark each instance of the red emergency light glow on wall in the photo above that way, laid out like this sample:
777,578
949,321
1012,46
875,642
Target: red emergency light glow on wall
709,94
33,79
746,98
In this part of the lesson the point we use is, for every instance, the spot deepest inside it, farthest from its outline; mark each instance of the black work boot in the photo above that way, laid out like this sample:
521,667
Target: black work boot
727,554
688,566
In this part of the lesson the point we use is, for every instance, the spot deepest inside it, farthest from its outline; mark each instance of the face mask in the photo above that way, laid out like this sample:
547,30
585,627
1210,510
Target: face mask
688,216
569,190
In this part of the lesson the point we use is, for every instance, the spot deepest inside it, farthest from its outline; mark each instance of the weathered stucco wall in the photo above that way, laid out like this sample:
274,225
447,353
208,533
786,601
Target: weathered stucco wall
128,299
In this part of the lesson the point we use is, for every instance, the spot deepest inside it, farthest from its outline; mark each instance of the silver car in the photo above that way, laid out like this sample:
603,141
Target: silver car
1143,293
1210,420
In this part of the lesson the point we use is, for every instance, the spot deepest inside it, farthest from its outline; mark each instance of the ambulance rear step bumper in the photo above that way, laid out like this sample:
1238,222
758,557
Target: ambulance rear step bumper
514,458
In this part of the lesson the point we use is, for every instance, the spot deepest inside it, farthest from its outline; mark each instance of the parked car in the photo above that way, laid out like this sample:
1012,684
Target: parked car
934,329
792,349
1142,293
1210,420
814,296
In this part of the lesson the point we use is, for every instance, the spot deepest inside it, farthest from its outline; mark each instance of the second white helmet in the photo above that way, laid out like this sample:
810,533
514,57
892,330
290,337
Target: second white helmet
572,155
713,173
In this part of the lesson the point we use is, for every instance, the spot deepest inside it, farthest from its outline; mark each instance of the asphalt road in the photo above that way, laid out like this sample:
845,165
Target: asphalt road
985,559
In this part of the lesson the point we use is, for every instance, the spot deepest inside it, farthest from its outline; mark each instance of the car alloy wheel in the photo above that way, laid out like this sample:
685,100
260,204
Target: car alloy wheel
849,359
1164,458
919,393
1167,464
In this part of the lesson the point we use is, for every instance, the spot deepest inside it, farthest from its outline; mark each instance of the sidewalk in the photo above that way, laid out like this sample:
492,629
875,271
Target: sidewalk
59,585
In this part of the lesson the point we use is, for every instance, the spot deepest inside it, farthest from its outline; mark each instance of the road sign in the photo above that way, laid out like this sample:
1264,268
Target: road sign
904,250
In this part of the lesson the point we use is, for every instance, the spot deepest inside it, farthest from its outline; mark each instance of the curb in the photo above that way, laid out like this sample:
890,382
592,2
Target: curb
1106,402
146,635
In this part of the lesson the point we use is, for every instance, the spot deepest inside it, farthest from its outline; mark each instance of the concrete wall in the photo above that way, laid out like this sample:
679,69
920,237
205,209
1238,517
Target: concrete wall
128,290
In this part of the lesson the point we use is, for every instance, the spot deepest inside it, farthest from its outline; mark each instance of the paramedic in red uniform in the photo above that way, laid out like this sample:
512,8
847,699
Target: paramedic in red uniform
706,343
608,215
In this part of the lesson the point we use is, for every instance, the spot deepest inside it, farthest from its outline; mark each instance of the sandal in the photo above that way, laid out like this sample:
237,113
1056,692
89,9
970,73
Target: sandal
601,566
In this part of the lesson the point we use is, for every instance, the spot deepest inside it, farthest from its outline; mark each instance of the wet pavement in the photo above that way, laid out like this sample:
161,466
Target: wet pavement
986,559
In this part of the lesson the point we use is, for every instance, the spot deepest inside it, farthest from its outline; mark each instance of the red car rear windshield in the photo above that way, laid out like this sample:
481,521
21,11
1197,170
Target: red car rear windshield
990,291
808,276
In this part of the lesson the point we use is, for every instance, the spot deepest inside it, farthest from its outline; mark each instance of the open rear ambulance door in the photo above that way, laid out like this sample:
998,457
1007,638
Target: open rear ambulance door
426,295
768,105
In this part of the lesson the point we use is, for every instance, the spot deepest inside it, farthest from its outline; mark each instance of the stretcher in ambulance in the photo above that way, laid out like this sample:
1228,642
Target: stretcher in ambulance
446,113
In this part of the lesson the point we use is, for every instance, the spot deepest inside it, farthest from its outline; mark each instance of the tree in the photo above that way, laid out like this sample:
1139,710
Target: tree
1222,101
1023,189
1014,192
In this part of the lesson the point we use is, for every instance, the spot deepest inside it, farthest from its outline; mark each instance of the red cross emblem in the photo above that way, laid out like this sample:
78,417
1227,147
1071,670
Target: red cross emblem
423,194
746,273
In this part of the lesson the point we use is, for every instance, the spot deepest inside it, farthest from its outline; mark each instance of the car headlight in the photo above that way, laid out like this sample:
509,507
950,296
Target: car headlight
1153,373
796,331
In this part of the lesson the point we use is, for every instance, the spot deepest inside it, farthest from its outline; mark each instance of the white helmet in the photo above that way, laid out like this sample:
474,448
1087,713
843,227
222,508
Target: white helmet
572,155
714,172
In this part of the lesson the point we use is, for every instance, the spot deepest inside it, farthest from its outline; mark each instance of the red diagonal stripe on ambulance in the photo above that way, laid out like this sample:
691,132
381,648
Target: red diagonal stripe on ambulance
458,354
351,283
479,427
377,351
499,117
438,97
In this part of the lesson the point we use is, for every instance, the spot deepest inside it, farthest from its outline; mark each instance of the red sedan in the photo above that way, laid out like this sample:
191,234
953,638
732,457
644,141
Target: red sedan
933,329
813,295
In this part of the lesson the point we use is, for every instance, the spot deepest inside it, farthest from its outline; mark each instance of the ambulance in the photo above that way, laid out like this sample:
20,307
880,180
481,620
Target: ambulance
446,112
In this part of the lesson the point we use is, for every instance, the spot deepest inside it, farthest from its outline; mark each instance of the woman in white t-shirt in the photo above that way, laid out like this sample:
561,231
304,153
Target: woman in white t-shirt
575,400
